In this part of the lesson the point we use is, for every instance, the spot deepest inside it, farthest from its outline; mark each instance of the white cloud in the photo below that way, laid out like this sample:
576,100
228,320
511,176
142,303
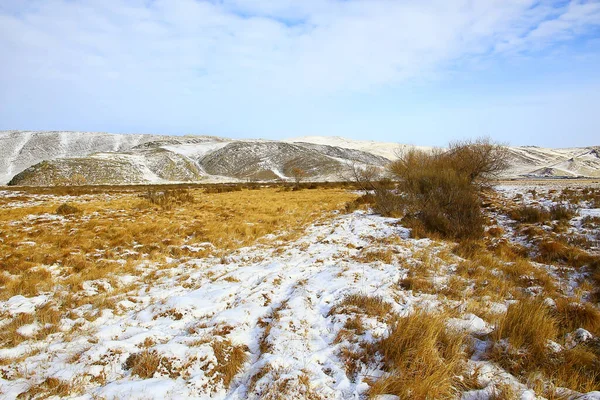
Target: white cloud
276,68
276,45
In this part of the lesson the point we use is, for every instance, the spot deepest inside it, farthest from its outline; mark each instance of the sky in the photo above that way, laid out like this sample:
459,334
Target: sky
522,72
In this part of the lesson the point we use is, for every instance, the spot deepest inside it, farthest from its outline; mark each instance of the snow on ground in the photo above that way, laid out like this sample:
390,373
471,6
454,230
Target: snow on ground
303,281
191,306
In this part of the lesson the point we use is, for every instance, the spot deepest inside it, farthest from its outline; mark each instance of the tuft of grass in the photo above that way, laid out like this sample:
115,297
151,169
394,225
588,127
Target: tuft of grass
230,360
468,249
527,324
386,256
48,388
529,215
143,364
373,306
417,283
423,359
573,315
495,231
67,209
504,392
527,327
554,251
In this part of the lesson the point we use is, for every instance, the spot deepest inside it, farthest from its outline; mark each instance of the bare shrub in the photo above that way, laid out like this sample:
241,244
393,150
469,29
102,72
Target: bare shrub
440,189
298,174
478,160
379,190
364,177
442,200
387,202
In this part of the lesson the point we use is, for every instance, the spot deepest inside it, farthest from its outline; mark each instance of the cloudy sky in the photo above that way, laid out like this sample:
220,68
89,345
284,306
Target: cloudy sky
420,72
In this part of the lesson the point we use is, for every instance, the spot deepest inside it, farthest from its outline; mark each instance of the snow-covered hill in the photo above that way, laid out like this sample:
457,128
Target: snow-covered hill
388,150
526,161
55,158
22,149
51,158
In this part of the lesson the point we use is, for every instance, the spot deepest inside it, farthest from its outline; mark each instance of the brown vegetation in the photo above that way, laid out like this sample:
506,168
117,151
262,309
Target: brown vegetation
422,357
144,364
440,188
528,327
373,306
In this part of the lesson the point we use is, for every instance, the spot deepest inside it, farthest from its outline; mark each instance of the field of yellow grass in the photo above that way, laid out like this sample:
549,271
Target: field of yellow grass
104,229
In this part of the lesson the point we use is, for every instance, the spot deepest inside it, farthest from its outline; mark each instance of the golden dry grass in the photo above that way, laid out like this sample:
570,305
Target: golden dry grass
528,327
230,360
572,315
527,323
143,364
130,226
422,357
133,227
48,388
373,306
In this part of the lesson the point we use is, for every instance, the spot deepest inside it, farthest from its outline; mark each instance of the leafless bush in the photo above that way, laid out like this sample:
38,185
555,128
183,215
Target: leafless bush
478,160
440,189
380,190
299,175
366,178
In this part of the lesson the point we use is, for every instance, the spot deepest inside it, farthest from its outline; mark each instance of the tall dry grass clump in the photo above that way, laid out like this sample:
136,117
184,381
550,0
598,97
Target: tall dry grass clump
144,364
169,198
527,324
521,347
422,357
440,189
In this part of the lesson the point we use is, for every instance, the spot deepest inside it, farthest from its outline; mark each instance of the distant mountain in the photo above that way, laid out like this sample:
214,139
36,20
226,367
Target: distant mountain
22,149
525,161
64,158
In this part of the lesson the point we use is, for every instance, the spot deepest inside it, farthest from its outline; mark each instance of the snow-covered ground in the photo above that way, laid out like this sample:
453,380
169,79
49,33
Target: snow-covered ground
273,302
307,276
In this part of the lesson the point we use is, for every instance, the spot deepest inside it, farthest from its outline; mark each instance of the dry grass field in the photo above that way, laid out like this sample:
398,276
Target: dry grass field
224,292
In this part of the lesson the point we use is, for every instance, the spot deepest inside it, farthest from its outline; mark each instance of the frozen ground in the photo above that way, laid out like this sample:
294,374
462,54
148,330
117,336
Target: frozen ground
303,280
273,303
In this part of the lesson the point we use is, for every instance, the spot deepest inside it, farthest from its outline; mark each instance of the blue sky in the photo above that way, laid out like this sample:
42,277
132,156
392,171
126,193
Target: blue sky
523,72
